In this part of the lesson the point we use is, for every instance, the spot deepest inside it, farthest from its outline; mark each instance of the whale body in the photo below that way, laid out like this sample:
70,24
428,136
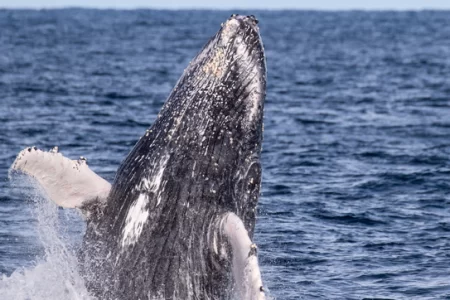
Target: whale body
178,220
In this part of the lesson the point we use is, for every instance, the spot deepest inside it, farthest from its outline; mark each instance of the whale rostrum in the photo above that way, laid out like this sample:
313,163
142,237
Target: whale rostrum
178,220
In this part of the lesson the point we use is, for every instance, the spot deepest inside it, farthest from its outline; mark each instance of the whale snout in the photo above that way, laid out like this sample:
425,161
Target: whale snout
238,25
224,87
251,21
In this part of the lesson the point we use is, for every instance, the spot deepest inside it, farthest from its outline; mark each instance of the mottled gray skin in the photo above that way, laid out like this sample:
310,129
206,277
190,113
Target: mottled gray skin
206,145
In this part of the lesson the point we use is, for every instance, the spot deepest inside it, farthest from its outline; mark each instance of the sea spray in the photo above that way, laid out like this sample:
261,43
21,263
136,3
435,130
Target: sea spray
55,274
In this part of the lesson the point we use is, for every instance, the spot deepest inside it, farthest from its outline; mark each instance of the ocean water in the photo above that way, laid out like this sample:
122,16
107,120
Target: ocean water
356,157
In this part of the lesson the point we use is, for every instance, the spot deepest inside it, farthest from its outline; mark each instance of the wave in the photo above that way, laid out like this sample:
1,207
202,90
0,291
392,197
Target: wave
55,274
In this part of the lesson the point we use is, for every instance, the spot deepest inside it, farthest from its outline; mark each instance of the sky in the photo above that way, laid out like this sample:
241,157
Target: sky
229,4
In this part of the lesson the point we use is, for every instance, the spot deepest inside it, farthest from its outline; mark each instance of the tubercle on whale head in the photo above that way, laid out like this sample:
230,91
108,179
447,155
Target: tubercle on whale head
238,25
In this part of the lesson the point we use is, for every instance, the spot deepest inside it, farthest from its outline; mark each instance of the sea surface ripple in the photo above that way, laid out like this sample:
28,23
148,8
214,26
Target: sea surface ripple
356,156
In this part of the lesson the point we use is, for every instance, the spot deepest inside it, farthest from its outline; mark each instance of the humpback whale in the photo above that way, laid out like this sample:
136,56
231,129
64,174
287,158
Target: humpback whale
178,220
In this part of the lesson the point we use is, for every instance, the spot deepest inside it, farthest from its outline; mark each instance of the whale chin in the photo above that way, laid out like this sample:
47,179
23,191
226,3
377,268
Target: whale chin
178,220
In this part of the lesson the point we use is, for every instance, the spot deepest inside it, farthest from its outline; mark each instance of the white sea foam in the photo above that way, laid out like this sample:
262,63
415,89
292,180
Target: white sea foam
55,274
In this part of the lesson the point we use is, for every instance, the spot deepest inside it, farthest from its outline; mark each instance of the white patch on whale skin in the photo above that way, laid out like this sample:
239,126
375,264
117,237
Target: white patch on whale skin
138,212
156,184
245,265
229,31
254,74
193,169
215,65
255,105
134,223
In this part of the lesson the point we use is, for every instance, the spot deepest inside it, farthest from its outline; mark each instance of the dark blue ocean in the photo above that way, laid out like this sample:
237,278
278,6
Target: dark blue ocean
356,156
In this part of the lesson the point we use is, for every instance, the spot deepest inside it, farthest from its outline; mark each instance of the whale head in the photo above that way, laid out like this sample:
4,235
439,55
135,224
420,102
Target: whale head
232,66
206,140
217,112
198,162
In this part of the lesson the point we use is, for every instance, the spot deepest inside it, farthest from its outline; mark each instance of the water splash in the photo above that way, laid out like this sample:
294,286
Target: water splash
55,274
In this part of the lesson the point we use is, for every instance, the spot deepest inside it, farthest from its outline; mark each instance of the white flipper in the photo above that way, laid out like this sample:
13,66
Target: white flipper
247,276
68,183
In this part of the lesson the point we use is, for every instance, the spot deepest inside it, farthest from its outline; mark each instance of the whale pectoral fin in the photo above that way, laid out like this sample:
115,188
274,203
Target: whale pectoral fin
68,183
247,276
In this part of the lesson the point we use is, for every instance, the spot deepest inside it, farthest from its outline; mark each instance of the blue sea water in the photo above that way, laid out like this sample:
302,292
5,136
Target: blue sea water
356,157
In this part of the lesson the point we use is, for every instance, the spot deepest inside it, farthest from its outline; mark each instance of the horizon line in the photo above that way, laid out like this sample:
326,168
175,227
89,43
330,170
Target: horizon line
56,7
